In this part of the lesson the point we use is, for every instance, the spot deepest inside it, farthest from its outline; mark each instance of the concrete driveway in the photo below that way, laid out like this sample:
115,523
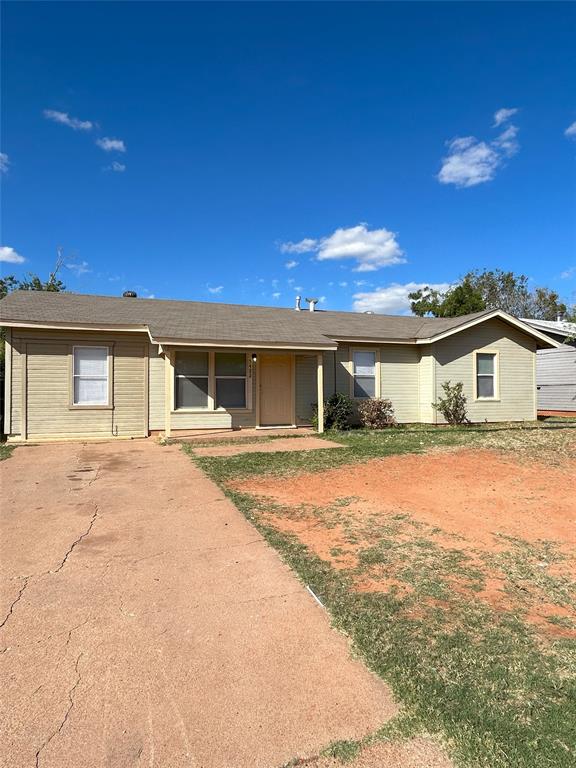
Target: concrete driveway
146,623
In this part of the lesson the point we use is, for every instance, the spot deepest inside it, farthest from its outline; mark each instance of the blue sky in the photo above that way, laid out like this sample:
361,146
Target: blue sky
246,152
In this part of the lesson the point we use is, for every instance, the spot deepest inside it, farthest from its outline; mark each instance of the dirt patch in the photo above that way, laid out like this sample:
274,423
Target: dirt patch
415,753
473,494
268,446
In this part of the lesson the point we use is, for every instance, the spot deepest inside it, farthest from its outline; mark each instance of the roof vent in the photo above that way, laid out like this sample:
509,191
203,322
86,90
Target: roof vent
298,300
130,295
312,304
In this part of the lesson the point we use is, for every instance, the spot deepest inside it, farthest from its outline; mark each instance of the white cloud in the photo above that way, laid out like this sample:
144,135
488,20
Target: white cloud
393,299
80,268
371,249
322,299
470,161
343,284
290,264
570,132
115,167
64,119
10,256
4,162
276,295
111,145
215,290
568,273
301,247
297,288
503,115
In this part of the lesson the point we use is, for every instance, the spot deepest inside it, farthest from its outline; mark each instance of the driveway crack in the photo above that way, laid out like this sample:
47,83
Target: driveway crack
77,541
58,730
14,602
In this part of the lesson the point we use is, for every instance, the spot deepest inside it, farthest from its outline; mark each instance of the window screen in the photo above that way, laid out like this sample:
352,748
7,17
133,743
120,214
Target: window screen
191,384
90,376
230,379
364,364
485,374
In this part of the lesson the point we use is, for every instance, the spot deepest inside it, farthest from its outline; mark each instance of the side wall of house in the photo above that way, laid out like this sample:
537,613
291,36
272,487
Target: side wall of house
556,379
40,391
516,358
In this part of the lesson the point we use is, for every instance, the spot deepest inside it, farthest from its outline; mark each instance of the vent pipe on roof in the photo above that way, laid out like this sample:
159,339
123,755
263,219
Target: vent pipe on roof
312,304
298,300
130,295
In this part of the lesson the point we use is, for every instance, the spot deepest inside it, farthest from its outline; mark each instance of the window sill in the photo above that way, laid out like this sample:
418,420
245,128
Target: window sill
90,407
487,400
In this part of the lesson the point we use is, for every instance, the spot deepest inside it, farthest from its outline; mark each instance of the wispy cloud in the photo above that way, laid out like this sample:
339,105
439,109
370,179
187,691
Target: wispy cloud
470,162
63,118
303,246
370,249
276,295
116,167
392,299
568,273
4,162
78,267
289,264
570,132
215,290
503,115
111,145
10,256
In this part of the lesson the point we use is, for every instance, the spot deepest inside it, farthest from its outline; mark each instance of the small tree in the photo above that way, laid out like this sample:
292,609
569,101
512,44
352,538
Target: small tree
377,413
338,410
453,405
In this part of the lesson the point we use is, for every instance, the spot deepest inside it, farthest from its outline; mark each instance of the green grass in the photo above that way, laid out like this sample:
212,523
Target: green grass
5,451
496,691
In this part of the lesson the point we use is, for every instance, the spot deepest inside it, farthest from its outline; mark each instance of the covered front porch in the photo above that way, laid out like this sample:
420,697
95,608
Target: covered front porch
215,390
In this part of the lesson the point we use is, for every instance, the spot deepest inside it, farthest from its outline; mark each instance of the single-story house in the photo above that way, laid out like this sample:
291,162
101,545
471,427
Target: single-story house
80,366
556,368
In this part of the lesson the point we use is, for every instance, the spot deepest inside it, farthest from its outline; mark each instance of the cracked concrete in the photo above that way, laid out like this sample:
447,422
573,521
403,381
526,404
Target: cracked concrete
147,623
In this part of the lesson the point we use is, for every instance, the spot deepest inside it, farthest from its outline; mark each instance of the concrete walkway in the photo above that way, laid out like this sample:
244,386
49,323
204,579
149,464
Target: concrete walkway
146,623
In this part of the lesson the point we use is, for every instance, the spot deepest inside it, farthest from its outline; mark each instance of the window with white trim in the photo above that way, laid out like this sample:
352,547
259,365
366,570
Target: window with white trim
191,379
364,373
485,375
90,374
230,376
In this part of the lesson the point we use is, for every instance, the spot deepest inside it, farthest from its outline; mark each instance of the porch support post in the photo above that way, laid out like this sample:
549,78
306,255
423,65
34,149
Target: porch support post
320,371
168,387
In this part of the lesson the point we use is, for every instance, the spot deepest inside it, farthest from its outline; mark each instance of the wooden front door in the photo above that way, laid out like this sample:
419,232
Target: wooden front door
276,396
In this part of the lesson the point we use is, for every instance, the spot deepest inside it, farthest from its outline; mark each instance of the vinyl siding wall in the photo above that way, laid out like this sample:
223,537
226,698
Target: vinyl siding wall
454,361
556,379
47,358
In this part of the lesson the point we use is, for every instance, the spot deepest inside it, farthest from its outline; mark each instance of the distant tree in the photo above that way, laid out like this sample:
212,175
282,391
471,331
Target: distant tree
462,299
491,289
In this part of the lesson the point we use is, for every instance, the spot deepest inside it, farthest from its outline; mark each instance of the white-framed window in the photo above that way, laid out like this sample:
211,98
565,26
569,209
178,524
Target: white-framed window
486,375
191,379
90,375
230,371
364,373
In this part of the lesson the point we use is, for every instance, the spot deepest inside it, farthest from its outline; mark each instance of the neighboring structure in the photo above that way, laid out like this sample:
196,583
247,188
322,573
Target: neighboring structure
94,366
556,368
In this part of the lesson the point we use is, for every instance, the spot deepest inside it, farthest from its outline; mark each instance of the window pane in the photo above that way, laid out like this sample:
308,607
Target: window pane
364,363
192,363
364,386
230,364
231,393
485,386
485,363
90,391
91,361
191,392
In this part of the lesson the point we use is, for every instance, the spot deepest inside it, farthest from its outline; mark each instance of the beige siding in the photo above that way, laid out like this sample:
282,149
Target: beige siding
399,379
156,388
455,362
48,411
426,385
306,387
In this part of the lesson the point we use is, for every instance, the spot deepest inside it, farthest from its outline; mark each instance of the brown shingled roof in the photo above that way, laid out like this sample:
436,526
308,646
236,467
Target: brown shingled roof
195,321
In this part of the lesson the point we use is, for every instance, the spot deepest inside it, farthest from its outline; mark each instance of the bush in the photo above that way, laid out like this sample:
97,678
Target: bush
376,414
338,410
453,405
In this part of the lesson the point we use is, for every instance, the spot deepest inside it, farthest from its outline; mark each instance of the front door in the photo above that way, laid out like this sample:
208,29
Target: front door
275,390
